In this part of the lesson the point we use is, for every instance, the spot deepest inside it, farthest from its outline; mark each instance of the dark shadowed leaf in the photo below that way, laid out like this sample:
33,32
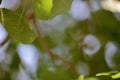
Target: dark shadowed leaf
0,1
105,23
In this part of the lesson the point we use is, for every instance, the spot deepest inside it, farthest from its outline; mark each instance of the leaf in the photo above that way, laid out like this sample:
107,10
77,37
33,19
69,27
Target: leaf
47,9
42,8
112,74
105,23
104,78
81,77
104,74
17,27
54,72
91,78
60,7
0,1
116,76
15,62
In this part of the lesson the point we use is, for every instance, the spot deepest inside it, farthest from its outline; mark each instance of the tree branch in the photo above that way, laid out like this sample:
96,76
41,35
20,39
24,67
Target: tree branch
47,49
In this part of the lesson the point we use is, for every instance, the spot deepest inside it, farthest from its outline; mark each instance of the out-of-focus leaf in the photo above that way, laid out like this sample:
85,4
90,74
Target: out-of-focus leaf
105,23
116,60
51,72
60,7
98,63
81,77
17,27
105,20
7,76
104,78
68,37
76,53
37,44
0,1
91,78
109,75
116,76
47,9
106,73
15,62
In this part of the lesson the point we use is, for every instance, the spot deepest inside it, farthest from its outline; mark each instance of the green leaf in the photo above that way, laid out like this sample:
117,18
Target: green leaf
54,72
42,8
112,74
105,23
47,9
104,78
17,27
116,76
60,7
14,65
106,73
81,77
91,78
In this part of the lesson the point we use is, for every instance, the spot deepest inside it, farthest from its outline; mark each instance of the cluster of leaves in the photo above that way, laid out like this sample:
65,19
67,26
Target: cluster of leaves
19,28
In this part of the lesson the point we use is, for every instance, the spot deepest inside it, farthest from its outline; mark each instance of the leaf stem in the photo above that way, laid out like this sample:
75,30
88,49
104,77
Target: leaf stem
5,40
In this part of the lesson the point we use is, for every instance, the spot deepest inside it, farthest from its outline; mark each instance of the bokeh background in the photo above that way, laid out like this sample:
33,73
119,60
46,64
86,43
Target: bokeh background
88,36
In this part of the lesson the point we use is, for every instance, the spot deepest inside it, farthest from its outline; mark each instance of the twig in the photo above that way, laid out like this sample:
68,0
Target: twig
42,40
5,40
89,5
69,64
46,47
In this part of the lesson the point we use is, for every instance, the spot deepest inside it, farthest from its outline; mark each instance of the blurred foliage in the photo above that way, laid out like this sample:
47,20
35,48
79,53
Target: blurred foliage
68,44
54,72
106,24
